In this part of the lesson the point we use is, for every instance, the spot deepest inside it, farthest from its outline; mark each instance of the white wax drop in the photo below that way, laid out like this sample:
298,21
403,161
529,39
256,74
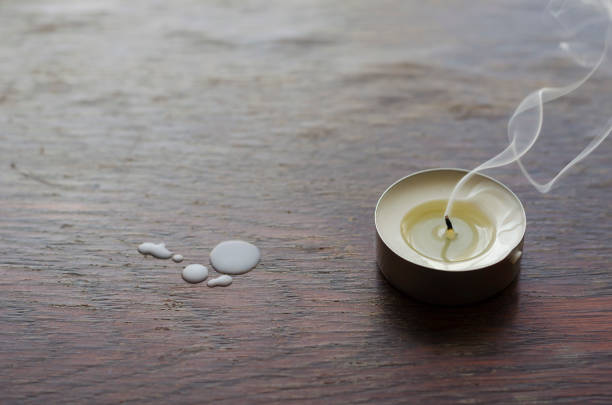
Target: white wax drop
195,273
156,250
177,258
234,257
221,281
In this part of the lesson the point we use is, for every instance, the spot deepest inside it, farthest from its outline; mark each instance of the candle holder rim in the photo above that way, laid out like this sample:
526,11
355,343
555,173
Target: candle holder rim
455,170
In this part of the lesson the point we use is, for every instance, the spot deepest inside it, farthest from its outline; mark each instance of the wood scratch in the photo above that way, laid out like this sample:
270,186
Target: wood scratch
35,177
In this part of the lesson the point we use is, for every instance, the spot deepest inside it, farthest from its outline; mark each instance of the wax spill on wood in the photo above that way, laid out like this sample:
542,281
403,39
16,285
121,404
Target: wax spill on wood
231,257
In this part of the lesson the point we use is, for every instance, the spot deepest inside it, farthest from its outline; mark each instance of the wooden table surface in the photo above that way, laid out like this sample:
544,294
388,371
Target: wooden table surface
280,123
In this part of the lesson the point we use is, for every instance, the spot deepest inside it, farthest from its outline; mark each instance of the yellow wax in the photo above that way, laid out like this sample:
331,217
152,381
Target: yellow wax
424,230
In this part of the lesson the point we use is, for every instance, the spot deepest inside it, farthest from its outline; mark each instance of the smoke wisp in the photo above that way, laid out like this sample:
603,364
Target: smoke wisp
582,21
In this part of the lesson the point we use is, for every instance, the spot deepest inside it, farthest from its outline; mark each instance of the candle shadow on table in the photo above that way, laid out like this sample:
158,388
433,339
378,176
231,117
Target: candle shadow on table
468,324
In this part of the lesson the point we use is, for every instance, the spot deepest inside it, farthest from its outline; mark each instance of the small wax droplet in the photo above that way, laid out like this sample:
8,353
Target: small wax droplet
156,250
195,273
450,234
234,257
221,281
177,258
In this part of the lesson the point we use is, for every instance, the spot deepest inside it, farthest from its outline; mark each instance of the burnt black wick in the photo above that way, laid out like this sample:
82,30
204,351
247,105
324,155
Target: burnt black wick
449,224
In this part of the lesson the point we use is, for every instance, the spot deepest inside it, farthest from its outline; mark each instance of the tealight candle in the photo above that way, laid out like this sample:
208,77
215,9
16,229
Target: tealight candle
467,257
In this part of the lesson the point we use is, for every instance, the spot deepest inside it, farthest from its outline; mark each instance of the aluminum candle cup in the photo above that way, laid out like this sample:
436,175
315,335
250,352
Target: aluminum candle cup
416,254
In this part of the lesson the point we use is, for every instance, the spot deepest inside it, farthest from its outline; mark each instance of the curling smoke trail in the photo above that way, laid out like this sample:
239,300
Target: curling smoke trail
525,125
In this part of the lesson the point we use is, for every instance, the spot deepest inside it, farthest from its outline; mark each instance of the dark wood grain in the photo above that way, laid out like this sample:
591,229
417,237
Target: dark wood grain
193,122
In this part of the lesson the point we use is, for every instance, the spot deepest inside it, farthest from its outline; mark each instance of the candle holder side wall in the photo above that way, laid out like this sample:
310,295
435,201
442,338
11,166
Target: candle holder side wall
447,287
